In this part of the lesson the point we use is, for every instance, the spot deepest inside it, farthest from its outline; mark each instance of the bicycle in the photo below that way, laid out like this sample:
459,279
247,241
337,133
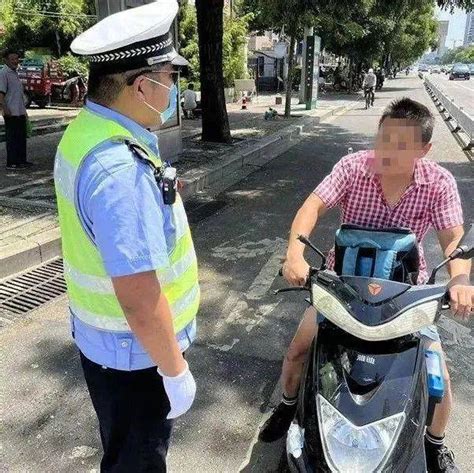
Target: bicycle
369,97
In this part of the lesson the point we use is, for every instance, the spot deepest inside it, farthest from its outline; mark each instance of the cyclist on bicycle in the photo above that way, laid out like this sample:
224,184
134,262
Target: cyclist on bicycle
369,83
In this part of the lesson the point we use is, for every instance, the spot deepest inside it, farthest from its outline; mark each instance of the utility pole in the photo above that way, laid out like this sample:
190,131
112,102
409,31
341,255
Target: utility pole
308,31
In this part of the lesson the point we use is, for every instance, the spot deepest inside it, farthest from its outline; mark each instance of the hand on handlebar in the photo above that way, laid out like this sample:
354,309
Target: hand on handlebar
296,272
462,301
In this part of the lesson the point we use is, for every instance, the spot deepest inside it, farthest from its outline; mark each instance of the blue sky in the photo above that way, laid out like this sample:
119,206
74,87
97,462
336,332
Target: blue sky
457,24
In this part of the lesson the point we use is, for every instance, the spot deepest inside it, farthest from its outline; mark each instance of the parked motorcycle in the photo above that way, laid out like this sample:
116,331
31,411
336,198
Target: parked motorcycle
370,386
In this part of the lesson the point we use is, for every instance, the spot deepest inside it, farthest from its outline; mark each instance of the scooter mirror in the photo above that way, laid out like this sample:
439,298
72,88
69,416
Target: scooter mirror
465,249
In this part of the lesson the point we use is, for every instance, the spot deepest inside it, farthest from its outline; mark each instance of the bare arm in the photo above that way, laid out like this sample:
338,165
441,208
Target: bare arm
3,108
148,314
295,268
459,269
461,292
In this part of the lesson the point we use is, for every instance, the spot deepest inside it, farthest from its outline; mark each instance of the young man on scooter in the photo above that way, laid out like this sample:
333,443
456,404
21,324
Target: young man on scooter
393,185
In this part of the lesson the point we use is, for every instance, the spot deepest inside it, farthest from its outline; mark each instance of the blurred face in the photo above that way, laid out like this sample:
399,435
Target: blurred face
398,146
12,61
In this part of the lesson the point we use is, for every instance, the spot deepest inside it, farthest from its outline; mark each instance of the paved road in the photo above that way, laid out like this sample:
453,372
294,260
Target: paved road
244,329
462,91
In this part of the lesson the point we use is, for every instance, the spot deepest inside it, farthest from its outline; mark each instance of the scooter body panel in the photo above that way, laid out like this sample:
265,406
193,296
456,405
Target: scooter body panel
365,382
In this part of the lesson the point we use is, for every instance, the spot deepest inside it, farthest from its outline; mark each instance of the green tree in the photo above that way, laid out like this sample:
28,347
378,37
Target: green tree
416,33
291,16
188,39
463,54
234,41
44,23
467,5
73,64
363,30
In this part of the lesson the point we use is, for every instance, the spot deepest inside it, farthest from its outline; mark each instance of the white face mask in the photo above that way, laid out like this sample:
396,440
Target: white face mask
166,114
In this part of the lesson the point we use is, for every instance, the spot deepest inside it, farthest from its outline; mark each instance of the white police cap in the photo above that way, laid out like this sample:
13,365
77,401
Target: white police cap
131,39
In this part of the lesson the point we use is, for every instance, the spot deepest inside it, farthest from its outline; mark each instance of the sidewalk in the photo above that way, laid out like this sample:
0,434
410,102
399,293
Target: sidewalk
46,121
29,232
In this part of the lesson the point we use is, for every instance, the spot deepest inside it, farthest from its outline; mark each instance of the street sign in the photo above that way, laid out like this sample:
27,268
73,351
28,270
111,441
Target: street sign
313,50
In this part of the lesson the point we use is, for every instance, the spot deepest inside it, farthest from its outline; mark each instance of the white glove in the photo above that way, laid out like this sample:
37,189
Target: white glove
181,391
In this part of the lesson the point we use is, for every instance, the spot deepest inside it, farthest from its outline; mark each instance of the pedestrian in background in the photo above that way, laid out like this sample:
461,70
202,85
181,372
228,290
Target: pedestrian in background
12,107
190,101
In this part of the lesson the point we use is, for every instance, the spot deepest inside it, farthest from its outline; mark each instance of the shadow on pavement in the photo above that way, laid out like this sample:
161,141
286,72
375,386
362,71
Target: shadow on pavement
261,452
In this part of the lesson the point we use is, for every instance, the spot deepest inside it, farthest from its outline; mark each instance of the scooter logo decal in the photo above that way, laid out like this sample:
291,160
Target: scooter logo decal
366,359
374,289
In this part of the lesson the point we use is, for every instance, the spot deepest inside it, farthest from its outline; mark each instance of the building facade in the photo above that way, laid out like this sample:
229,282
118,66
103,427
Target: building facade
443,26
469,31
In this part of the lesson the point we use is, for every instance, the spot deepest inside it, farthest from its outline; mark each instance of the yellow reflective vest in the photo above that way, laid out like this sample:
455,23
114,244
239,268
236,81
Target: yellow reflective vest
91,295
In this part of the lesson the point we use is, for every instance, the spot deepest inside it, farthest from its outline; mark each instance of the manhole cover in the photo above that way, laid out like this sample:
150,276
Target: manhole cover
20,294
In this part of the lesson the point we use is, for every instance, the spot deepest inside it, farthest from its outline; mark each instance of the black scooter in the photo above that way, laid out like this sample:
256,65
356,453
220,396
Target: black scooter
370,386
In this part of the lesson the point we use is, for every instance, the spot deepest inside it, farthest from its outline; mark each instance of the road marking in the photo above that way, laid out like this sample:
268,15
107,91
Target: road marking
249,249
244,309
224,348
463,86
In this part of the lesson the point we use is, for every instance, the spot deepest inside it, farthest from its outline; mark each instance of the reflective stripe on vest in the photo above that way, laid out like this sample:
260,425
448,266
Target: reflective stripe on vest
90,289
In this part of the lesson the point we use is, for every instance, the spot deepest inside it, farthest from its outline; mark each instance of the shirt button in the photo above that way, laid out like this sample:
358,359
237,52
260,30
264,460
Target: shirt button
124,344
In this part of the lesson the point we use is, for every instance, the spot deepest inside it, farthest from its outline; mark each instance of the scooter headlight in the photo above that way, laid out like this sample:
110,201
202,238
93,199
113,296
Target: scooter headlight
411,320
348,447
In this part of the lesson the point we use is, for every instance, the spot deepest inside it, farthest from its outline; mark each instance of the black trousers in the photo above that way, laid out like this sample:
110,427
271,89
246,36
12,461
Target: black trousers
15,136
132,407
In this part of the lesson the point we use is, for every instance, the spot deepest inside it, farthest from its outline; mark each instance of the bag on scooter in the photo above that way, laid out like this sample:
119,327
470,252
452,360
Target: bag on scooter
388,253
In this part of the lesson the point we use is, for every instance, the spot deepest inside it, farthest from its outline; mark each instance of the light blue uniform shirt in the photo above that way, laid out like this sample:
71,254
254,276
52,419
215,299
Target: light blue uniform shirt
122,210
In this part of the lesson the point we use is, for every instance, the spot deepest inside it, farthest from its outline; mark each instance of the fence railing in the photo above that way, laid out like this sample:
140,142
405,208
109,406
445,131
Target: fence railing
463,121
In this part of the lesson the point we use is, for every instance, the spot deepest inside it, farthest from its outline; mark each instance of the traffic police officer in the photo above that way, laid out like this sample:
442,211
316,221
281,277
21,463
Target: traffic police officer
129,259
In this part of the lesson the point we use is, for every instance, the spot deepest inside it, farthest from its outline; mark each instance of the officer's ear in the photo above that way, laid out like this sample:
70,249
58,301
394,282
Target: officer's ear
140,88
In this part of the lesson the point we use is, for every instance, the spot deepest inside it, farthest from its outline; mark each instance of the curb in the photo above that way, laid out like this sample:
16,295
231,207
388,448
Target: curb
42,130
47,245
264,151
31,252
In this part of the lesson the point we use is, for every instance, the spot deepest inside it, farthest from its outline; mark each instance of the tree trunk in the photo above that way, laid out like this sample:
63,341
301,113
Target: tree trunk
58,42
289,80
215,122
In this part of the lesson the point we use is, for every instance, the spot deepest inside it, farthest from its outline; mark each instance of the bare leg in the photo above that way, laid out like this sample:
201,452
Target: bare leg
439,459
297,353
278,423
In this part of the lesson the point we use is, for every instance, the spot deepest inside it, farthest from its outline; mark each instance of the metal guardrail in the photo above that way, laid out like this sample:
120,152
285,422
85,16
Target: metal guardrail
464,121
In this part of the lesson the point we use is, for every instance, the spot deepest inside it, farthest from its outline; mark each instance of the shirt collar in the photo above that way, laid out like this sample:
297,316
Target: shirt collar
144,136
421,175
9,69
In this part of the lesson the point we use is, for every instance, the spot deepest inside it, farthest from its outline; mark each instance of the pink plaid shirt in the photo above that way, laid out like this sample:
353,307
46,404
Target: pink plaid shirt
432,199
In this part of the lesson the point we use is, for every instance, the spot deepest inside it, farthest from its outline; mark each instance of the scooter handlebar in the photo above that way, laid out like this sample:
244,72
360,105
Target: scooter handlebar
446,301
